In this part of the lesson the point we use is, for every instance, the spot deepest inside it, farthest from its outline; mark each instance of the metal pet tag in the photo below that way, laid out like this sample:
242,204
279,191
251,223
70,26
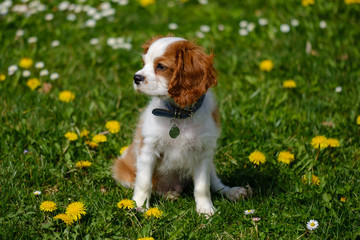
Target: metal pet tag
174,131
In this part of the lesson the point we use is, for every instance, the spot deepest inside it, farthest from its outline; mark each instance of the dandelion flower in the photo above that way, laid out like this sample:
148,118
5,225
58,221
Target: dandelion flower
48,206
306,3
82,164
84,133
123,149
146,238
98,138
312,225
247,212
257,157
26,62
75,210
71,136
146,3
333,142
113,126
289,84
358,120
351,1
66,218
126,204
66,96
343,199
2,77
33,83
153,212
37,193
319,142
315,180
286,157
92,144
266,65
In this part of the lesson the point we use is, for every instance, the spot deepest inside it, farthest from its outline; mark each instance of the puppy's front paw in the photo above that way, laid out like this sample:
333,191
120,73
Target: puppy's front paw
205,209
235,193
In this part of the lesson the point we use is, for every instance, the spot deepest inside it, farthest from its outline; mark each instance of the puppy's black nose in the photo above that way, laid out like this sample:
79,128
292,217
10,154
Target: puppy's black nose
138,79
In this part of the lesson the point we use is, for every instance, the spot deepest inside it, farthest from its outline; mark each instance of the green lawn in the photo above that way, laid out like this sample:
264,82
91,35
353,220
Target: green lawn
98,50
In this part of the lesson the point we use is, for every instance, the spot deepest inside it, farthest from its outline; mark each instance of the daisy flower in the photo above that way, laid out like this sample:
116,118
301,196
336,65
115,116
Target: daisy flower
289,84
319,142
82,164
266,65
247,212
39,65
204,28
113,126
26,62
2,77
44,72
49,17
263,21
126,204
294,22
65,218
66,96
256,219
98,138
333,142
32,39
94,41
243,32
26,73
48,206
84,133
284,28
286,157
55,43
75,210
153,212
71,17
146,3
257,157
12,69
33,83
123,149
37,193
54,76
306,3
71,136
173,26
322,24
338,89
312,225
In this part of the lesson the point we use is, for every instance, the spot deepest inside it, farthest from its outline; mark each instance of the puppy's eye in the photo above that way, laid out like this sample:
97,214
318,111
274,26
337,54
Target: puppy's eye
160,67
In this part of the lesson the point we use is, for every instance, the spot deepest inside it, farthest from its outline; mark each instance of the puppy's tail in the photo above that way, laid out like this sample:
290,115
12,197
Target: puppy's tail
124,170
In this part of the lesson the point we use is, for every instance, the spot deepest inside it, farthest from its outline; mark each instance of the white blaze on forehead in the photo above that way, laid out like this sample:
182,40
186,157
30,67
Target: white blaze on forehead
159,47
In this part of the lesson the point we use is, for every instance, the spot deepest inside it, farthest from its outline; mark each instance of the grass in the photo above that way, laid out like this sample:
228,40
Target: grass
257,113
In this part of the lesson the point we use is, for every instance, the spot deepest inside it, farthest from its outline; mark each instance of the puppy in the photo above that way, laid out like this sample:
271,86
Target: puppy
176,136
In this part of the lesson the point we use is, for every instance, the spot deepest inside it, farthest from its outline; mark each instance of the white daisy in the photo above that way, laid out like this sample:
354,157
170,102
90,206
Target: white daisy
263,21
105,5
91,11
49,17
90,23
338,89
71,17
19,33
284,28
322,24
173,26
32,40
243,32
250,27
294,22
26,73
55,43
44,72
39,65
221,27
54,76
64,6
37,193
97,16
94,41
247,212
111,41
12,68
203,2
312,225
205,28
243,23
256,219
123,2
200,34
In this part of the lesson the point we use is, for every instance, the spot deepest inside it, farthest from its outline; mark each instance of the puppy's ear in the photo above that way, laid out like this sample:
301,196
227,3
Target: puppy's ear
193,75
148,43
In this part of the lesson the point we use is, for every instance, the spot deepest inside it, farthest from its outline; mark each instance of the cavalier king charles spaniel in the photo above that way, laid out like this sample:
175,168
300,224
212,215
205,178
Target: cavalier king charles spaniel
175,139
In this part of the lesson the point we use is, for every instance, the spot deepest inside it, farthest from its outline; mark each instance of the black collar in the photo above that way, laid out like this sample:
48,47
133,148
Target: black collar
175,111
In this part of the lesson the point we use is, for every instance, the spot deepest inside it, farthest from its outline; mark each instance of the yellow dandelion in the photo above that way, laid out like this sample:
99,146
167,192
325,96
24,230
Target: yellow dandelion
98,138
146,238
92,144
84,133
113,126
153,212
306,3
71,136
266,65
146,3
319,142
33,83
333,142
286,157
315,180
126,204
26,62
65,218
351,1
289,84
2,77
358,120
343,199
257,157
48,206
66,96
123,149
75,210
82,164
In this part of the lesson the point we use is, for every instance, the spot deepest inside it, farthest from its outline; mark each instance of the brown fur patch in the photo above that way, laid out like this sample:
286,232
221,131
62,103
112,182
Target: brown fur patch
124,168
216,116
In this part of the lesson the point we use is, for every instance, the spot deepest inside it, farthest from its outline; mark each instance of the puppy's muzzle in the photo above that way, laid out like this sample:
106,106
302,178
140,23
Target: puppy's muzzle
138,79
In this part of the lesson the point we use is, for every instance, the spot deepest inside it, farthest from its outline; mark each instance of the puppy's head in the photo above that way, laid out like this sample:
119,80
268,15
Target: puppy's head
175,68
